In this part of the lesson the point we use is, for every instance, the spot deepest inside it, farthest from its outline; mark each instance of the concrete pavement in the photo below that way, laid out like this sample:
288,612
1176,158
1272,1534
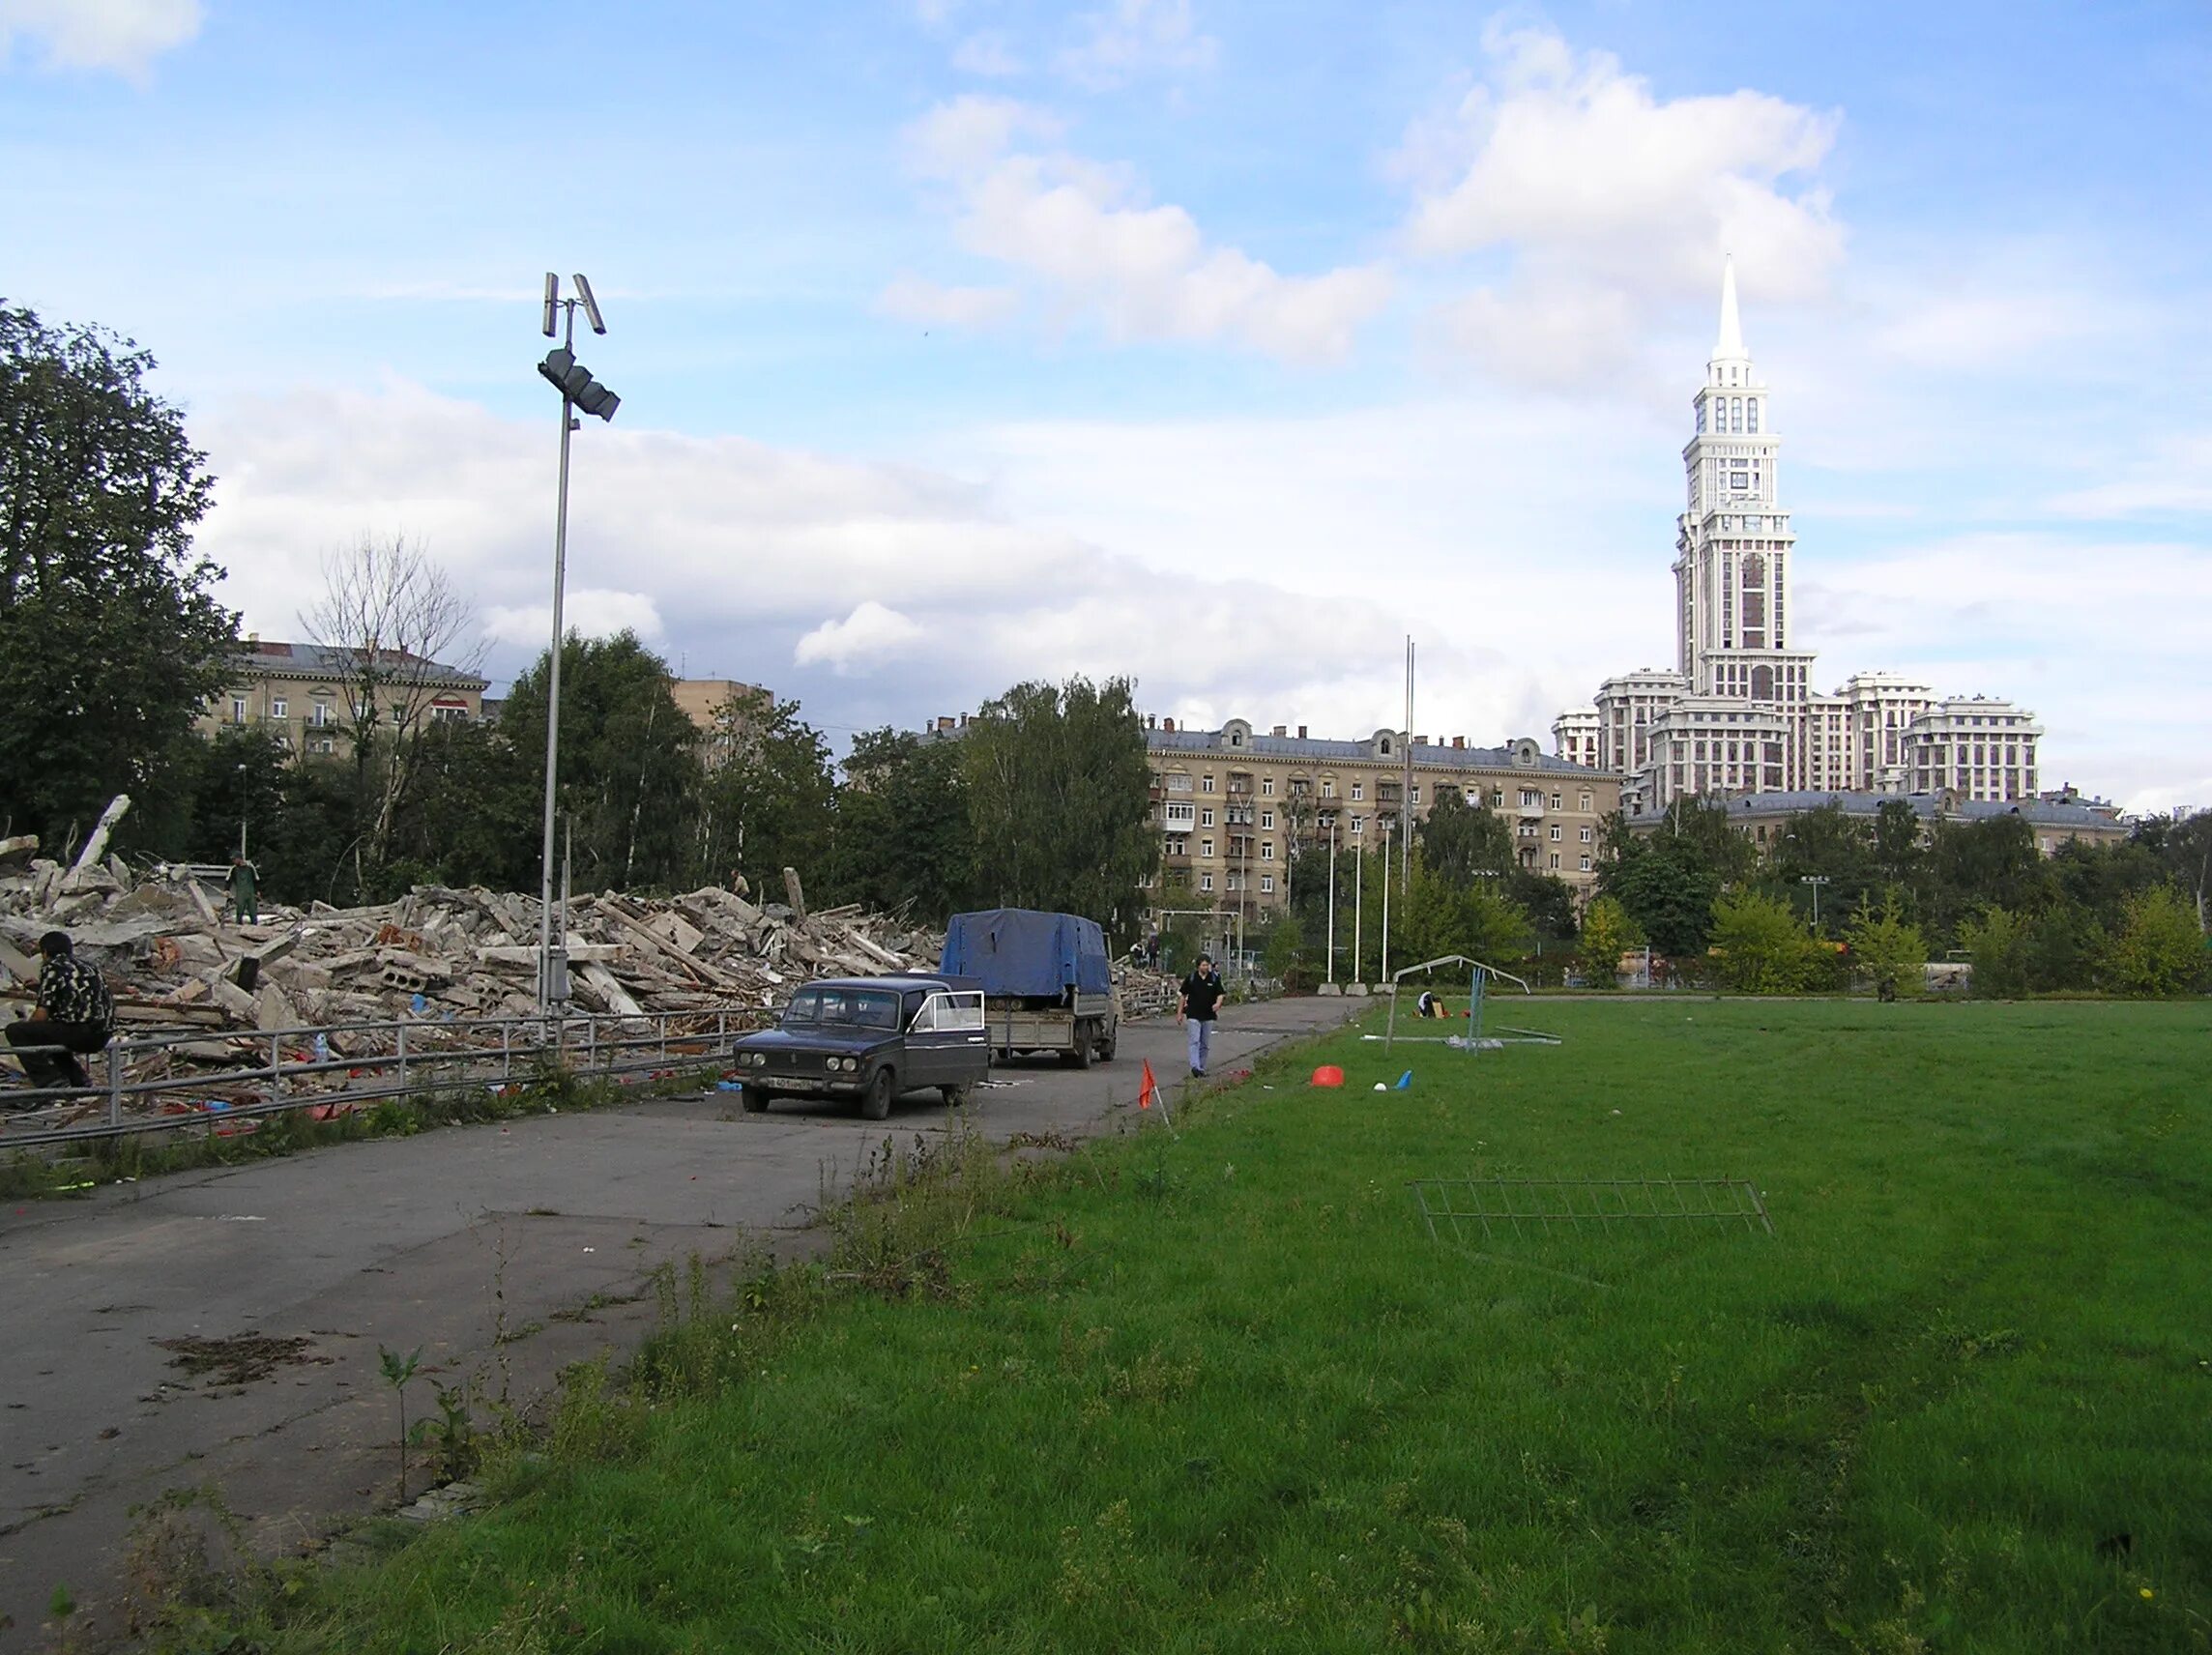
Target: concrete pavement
506,1252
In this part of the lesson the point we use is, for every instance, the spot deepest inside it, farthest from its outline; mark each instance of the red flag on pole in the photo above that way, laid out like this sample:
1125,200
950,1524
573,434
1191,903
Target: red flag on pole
1149,1092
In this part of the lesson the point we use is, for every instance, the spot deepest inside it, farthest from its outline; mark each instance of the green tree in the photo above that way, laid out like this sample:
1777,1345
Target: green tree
1060,793
2157,949
1995,940
1546,900
1886,946
1437,918
629,768
904,837
1898,854
1607,933
770,803
1460,842
1665,881
1993,862
1282,956
2065,949
1826,845
1764,946
111,639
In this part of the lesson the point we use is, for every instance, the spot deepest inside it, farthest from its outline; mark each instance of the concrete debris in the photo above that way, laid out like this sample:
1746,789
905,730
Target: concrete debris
1144,993
173,960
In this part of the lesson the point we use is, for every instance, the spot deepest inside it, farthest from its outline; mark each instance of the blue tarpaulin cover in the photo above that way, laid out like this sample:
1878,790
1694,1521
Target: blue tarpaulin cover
1020,951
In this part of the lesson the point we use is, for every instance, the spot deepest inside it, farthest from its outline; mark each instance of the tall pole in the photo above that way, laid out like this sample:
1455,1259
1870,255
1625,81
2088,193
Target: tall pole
1384,974
1359,878
553,708
1406,797
244,807
1332,899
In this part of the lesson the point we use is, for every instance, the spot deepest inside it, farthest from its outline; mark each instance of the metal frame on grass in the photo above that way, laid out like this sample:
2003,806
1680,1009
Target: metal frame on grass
1474,1040
1585,1204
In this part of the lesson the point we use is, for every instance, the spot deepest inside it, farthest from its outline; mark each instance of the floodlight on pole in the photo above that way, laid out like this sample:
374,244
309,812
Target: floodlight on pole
578,390
591,304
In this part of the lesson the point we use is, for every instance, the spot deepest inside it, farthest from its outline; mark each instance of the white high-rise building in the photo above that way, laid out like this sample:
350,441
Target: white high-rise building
1740,713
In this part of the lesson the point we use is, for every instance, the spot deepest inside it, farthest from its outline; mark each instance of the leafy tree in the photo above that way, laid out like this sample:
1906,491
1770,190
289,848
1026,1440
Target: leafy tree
768,804
2158,949
1897,849
1459,842
2183,846
1888,948
1995,940
2064,948
477,808
629,771
1282,956
1438,918
1667,887
1607,933
1764,946
904,837
1824,844
1546,900
1990,863
111,639
1059,792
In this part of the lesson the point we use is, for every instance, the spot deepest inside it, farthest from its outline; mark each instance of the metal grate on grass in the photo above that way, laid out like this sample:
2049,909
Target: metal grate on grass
1456,1208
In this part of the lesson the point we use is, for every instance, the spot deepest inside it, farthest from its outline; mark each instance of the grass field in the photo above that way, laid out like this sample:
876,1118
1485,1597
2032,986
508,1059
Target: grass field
1225,1393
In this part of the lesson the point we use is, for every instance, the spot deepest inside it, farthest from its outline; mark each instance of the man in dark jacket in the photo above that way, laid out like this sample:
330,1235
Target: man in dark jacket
75,1011
1202,992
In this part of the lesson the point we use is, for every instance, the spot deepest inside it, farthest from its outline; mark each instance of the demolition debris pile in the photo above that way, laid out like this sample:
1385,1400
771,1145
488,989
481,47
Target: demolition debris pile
172,959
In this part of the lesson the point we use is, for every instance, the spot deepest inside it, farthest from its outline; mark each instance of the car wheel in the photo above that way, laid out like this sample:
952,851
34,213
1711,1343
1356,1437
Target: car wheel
877,1104
955,1096
753,1100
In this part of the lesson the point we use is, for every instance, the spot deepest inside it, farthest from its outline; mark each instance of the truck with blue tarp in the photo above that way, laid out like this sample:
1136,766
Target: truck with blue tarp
1048,986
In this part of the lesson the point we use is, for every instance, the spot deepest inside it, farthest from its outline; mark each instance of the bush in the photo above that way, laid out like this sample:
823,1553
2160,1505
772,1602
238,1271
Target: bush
2158,948
1764,946
1888,949
1995,940
1607,933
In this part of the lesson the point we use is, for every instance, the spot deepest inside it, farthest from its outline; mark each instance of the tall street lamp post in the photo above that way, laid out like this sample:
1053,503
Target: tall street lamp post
578,390
1816,881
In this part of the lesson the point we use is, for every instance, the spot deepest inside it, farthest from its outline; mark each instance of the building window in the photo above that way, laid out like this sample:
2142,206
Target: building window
1358,825
1555,859
1530,797
1586,835
319,714
1267,884
1327,788
1358,789
1585,864
1556,835
1205,882
1558,801
238,710
1266,850
1585,801
280,708
1206,785
1414,798
1267,817
1751,415
1206,817
1266,787
1181,814
1205,848
1497,798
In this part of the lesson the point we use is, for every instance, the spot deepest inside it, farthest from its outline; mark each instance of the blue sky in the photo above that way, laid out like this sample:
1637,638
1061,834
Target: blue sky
1215,343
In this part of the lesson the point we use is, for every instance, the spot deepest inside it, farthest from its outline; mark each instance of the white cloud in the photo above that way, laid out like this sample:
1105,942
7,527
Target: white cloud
594,612
861,642
986,52
2176,477
124,36
911,299
1132,37
1611,204
1083,235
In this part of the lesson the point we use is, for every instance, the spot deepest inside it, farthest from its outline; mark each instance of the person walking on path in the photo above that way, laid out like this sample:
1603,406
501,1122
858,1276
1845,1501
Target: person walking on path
74,1011
244,891
1195,1008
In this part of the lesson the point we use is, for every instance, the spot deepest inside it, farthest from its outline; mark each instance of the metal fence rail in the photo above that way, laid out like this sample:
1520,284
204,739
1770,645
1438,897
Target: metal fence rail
1547,1205
171,1079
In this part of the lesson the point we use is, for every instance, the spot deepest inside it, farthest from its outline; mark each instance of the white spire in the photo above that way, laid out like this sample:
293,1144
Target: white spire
1730,346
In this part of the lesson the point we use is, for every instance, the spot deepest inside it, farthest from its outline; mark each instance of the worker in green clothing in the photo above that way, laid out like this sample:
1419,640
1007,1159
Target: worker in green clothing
244,891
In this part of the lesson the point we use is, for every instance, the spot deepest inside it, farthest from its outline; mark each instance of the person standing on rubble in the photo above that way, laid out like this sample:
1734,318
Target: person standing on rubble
75,1011
1195,1006
244,891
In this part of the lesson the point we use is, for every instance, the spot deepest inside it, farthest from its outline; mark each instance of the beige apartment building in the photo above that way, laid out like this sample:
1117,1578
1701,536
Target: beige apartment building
1235,805
725,711
301,693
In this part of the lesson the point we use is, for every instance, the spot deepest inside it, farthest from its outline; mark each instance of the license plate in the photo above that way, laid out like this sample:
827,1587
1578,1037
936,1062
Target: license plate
797,1084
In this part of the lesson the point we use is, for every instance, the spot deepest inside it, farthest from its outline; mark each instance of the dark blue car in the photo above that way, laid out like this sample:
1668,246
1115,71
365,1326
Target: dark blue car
869,1040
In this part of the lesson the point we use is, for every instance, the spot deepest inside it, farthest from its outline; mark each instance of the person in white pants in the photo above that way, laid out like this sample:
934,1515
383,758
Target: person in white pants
1197,1007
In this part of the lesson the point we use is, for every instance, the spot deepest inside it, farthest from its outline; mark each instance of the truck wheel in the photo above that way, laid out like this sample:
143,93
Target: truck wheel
956,1097
1106,1046
1085,1038
753,1101
877,1104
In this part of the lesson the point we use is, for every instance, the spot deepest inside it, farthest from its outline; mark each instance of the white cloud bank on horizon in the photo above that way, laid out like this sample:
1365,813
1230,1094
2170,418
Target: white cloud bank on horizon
123,36
1088,246
1612,204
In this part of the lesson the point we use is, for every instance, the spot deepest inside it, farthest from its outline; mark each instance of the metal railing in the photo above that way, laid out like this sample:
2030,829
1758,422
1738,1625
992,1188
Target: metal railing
153,1084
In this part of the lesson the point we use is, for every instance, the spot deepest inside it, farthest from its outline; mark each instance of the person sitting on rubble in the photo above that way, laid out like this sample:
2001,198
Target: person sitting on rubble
75,1011
1430,1006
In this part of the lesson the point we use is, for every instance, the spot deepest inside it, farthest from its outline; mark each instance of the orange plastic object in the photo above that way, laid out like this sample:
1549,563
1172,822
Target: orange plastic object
1328,1075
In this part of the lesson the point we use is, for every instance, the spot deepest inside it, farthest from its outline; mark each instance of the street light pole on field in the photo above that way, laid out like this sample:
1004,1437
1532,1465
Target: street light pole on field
1816,881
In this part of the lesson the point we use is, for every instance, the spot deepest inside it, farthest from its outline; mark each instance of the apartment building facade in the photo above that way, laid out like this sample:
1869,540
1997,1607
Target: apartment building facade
303,694
1236,806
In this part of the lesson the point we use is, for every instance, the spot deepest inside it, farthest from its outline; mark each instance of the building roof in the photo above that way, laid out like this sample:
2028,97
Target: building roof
2037,812
1314,750
323,661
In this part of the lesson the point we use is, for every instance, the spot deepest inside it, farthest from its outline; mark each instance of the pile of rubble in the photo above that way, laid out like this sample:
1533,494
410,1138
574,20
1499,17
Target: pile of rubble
1144,992
172,959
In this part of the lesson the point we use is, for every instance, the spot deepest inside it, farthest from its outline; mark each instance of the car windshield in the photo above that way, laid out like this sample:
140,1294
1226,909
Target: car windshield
822,1007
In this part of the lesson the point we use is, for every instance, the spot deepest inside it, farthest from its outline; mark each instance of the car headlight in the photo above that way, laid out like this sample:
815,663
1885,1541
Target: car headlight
851,1063
758,1059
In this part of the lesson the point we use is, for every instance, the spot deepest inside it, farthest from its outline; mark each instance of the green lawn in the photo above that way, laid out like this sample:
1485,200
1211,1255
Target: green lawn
1225,1393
